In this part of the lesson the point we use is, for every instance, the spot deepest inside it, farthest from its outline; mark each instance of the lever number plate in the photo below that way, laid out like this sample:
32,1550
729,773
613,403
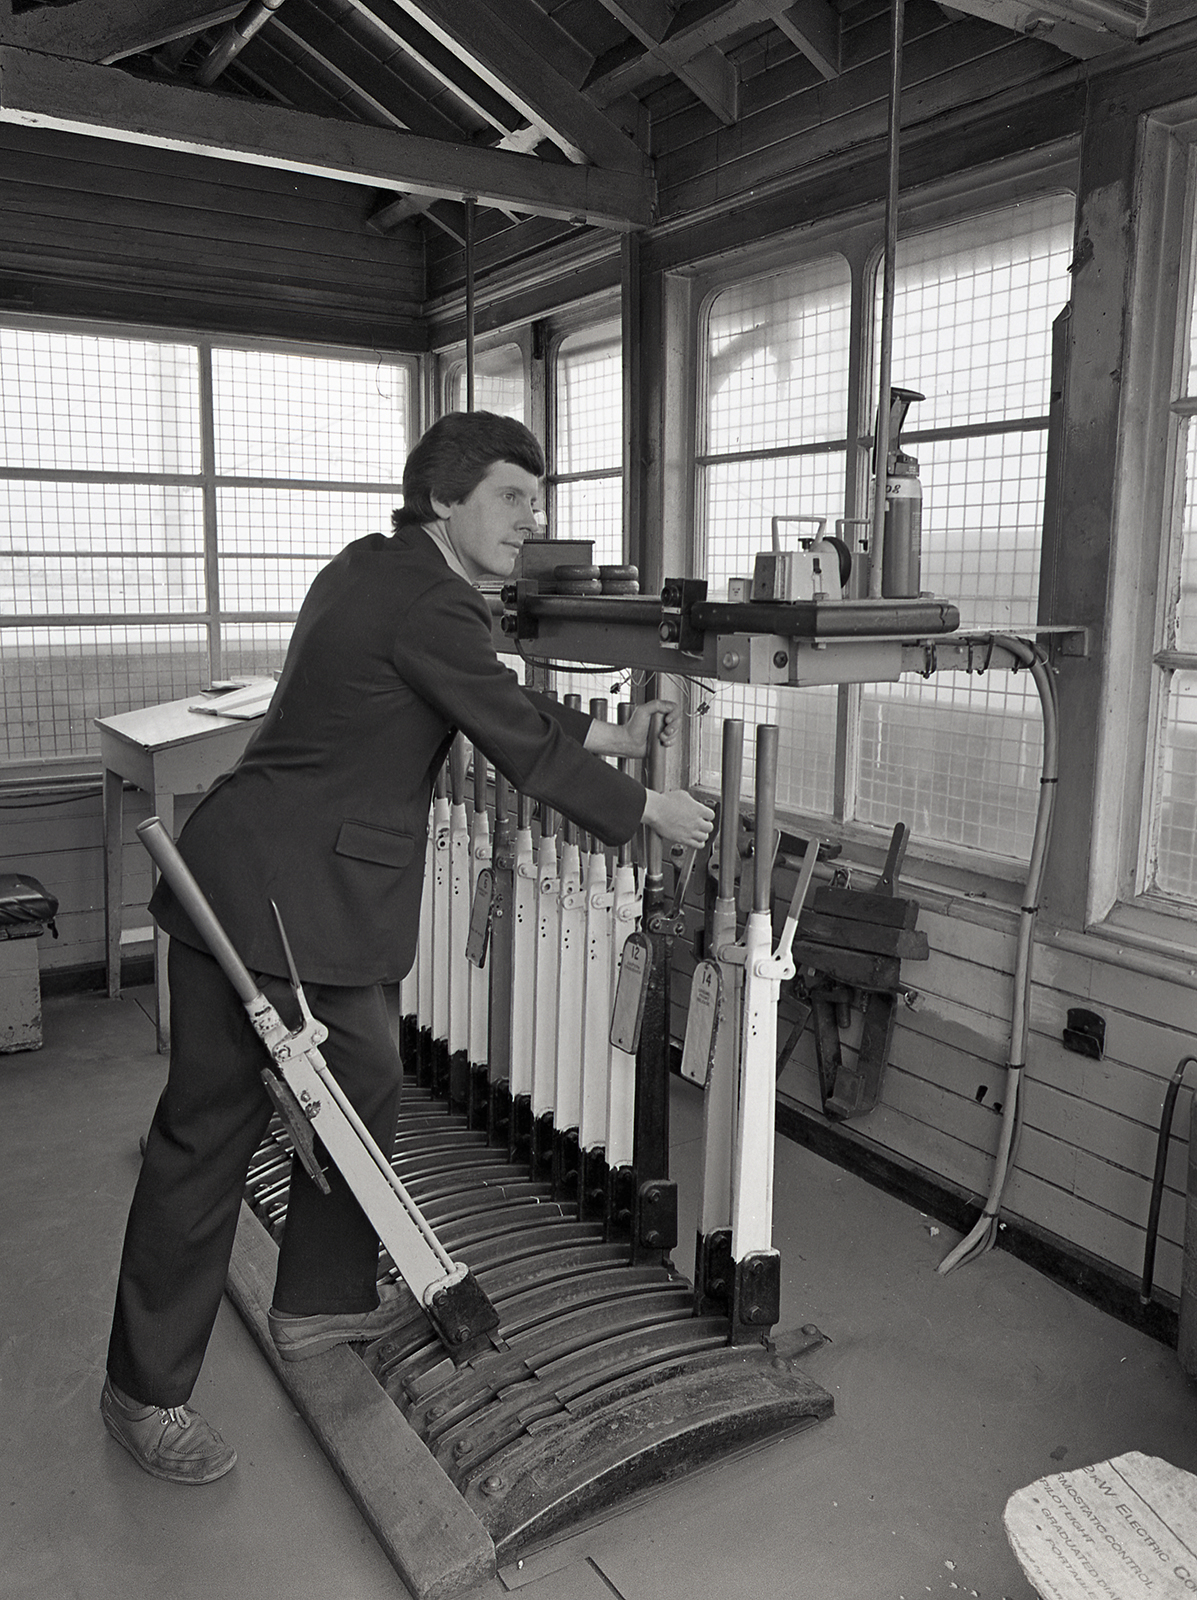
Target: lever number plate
478,937
631,991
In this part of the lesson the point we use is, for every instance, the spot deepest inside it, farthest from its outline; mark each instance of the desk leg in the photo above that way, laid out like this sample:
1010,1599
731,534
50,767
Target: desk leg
114,874
164,810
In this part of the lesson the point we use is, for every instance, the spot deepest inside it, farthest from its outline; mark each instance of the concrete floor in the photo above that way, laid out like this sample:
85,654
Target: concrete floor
950,1394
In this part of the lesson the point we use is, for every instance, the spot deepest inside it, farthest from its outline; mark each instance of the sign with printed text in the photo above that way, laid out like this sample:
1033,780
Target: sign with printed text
1124,1530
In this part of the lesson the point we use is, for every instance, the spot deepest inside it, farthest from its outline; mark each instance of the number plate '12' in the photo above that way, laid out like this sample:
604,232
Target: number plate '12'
631,991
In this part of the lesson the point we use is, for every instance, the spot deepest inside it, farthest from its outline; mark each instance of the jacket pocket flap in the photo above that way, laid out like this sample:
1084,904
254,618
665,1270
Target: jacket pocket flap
366,842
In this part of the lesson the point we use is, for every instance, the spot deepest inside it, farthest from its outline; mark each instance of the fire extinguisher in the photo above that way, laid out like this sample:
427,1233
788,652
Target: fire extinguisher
903,538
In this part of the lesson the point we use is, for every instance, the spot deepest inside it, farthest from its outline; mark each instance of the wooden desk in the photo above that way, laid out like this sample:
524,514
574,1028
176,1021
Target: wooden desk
166,750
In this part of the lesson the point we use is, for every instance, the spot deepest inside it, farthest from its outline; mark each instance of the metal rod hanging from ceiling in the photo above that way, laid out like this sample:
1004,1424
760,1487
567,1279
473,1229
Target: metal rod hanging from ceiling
469,302
234,39
880,459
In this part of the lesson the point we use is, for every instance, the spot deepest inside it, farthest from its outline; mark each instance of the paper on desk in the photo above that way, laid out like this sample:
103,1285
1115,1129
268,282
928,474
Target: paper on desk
1125,1529
242,704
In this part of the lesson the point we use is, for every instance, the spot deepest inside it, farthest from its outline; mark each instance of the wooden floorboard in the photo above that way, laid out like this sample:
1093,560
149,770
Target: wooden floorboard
435,1542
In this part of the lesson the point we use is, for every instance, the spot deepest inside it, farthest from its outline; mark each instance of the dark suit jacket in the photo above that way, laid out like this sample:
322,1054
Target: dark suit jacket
327,811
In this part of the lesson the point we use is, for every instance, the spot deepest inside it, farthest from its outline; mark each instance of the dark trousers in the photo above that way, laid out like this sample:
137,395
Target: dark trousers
208,1123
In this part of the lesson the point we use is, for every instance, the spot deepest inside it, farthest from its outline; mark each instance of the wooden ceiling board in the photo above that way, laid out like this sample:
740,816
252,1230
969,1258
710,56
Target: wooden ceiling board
345,48
786,133
499,53
92,30
442,65
126,178
311,82
591,25
546,110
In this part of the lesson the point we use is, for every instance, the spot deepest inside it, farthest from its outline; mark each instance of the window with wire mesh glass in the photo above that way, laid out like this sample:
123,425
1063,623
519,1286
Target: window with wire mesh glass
955,757
168,502
1170,868
774,443
585,477
499,383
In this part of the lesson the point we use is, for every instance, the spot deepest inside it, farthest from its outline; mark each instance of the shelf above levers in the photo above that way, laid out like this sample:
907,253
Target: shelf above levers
816,642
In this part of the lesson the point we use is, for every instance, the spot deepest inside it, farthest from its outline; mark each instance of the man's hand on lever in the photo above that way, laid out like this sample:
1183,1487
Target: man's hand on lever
677,816
630,739
673,813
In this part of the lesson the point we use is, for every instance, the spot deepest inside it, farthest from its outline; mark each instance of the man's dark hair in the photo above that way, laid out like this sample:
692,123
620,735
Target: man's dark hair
454,456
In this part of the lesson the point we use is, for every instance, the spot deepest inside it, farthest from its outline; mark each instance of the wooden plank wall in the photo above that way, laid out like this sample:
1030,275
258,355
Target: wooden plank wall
103,228
794,125
60,841
1086,1155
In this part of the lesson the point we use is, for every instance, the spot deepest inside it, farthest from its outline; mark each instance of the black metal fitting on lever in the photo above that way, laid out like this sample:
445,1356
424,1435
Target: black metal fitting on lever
756,1297
656,1216
296,1122
464,1319
672,921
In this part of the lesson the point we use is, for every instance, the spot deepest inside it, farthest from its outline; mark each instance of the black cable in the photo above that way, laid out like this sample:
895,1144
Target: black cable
1157,1182
48,800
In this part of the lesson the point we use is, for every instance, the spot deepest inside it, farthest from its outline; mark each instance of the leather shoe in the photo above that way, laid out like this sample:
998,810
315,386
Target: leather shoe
169,1442
298,1337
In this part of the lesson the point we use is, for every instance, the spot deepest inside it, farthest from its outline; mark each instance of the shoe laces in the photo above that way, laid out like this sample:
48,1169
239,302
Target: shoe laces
176,1414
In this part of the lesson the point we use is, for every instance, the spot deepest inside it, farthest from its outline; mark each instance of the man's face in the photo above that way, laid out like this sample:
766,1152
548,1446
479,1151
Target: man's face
487,528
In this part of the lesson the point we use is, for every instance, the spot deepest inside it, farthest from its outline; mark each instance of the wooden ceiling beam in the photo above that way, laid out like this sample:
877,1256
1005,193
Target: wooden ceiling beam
706,72
1046,23
713,79
684,40
495,44
812,25
88,31
449,218
78,97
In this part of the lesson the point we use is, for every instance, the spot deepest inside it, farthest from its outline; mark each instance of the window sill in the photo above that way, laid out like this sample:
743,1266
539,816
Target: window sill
949,879
1145,936
51,773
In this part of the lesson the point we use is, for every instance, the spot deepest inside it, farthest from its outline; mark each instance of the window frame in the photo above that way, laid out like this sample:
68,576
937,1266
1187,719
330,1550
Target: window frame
207,481
1145,543
450,367
858,237
583,319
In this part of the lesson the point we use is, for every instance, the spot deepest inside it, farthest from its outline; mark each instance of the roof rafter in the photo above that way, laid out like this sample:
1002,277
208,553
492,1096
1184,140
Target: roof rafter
685,40
706,72
78,97
88,31
1039,22
351,60
812,25
495,44
442,63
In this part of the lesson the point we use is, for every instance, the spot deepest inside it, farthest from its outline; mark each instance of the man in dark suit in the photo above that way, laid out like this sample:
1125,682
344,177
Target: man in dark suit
326,815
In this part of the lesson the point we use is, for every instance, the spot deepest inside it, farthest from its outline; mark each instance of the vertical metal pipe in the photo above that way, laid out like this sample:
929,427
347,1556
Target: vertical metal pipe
469,302
887,299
